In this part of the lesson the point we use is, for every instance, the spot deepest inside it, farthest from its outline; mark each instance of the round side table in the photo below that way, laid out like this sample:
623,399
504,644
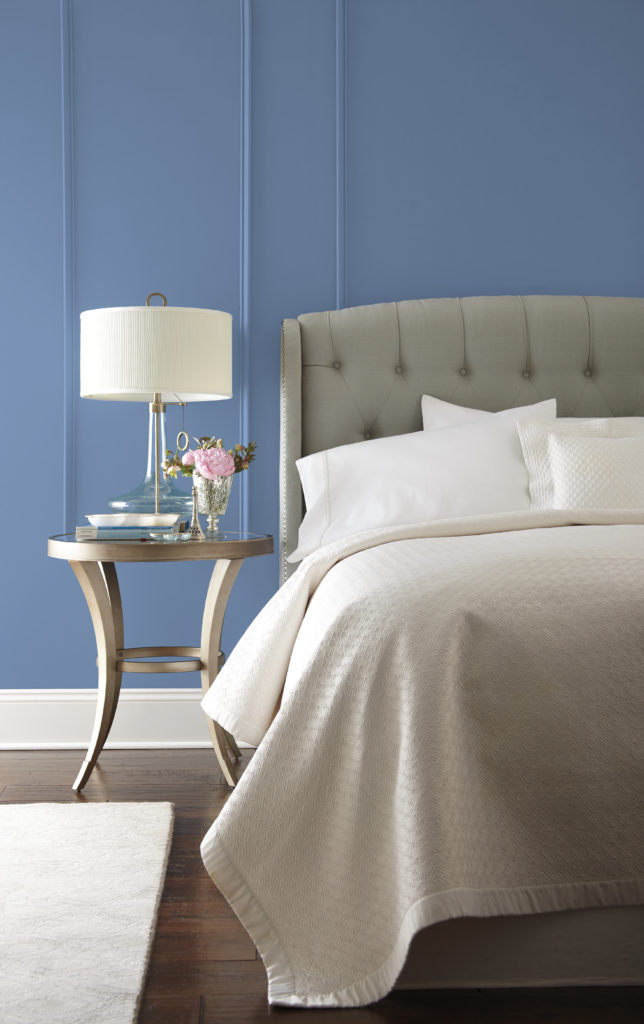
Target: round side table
93,562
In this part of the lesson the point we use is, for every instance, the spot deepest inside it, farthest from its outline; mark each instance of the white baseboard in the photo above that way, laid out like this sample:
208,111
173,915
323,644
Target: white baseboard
63,719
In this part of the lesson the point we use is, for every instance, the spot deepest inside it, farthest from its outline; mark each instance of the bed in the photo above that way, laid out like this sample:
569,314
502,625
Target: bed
398,811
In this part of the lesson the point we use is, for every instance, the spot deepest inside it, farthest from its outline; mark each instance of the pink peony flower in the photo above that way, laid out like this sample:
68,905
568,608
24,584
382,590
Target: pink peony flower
212,462
188,459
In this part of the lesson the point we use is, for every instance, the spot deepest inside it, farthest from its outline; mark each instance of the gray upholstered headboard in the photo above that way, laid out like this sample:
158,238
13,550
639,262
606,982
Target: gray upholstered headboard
357,373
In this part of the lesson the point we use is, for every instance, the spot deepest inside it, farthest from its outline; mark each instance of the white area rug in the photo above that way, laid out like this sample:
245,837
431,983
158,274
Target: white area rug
79,890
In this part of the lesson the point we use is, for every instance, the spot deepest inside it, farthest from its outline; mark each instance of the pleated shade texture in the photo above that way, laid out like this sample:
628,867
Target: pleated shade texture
131,353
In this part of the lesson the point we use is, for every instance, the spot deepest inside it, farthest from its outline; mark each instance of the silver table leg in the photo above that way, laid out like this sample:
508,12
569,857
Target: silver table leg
100,586
221,583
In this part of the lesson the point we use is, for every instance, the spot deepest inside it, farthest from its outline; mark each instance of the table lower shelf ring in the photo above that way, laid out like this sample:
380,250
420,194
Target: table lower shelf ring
126,659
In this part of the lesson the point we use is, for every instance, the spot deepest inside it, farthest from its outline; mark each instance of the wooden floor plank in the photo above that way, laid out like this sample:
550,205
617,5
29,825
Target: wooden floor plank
196,888
173,1010
186,861
204,968
205,942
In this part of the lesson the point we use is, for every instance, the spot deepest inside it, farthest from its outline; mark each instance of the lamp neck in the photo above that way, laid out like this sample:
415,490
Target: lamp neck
149,472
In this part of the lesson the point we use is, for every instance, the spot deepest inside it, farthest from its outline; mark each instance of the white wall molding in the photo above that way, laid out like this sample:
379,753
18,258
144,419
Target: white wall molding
340,154
68,267
341,226
63,719
245,144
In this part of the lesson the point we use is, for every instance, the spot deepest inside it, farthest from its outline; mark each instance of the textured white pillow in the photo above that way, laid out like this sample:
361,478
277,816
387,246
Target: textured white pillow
585,464
394,481
438,414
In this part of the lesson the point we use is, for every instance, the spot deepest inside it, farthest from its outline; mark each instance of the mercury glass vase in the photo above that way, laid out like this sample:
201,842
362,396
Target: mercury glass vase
212,498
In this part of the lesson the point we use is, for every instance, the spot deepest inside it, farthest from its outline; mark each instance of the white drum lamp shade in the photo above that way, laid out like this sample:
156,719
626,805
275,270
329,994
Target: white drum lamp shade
159,355
156,353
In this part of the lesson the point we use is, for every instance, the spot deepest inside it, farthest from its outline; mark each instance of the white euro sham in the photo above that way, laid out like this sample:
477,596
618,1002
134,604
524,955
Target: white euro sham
438,413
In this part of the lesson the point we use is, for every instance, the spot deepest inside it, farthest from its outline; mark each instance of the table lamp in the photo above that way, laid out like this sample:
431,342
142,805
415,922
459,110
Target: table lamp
162,355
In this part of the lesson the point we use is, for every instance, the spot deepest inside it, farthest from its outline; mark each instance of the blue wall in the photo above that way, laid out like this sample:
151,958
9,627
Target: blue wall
272,157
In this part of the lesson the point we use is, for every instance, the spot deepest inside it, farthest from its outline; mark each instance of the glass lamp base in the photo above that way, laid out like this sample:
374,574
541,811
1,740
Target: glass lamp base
141,499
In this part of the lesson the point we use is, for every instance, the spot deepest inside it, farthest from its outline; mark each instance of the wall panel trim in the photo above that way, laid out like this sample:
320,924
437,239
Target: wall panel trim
340,153
68,269
243,381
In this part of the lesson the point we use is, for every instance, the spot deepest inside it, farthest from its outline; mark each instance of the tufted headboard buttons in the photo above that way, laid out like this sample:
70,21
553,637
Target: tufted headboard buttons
487,352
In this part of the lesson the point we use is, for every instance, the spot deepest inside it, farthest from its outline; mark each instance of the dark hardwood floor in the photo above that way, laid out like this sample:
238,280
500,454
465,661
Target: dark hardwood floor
204,969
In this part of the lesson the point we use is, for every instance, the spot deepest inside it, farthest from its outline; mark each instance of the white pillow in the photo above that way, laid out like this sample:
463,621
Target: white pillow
394,481
438,414
585,464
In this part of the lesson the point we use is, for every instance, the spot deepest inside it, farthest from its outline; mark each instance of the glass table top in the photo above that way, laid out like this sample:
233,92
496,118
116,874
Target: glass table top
164,547
161,537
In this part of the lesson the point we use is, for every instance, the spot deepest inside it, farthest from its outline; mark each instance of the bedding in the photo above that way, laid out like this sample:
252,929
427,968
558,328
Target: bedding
596,463
477,752
469,469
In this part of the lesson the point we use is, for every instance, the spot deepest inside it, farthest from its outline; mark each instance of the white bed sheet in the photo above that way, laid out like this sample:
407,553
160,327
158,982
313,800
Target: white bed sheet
460,733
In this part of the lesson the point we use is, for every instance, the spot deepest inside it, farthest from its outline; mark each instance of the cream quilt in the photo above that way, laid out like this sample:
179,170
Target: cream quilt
460,733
